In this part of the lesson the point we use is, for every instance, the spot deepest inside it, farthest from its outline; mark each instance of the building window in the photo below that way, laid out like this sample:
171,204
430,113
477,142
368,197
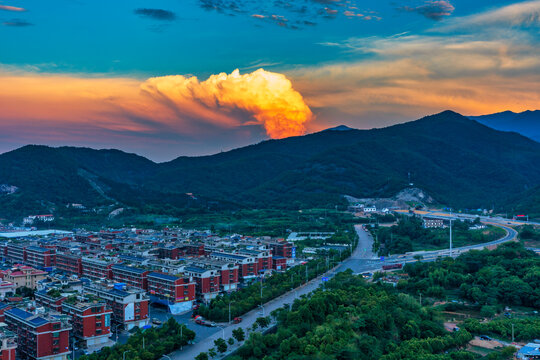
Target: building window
56,334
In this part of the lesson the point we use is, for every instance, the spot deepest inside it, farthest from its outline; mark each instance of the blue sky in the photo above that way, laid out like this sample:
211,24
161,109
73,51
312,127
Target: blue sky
108,37
361,63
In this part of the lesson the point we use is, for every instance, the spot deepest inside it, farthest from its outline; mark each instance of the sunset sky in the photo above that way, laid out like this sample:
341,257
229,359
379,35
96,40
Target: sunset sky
192,77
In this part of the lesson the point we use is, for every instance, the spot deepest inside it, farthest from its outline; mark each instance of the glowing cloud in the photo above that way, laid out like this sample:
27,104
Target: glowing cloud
11,8
261,97
63,108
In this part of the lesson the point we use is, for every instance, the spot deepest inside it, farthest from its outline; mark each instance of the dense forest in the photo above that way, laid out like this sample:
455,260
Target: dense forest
354,320
508,275
470,166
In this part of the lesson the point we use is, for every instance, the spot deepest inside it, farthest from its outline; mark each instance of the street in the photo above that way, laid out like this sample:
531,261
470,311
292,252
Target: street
362,260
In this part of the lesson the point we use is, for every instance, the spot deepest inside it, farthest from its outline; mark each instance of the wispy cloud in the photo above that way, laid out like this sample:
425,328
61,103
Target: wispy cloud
17,23
12,8
156,14
526,14
460,64
291,14
432,9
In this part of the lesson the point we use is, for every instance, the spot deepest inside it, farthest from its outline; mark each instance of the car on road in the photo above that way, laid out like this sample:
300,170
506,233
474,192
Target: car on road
485,337
156,321
201,321
237,320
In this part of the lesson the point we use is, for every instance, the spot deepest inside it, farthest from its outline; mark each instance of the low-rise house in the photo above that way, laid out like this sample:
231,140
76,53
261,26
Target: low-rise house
531,351
24,276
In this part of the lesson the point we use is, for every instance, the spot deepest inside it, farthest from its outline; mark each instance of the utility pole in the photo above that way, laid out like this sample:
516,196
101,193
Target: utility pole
450,237
181,337
306,274
512,332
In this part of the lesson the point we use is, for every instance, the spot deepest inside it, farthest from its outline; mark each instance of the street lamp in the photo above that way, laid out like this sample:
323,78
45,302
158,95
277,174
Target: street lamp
124,354
230,302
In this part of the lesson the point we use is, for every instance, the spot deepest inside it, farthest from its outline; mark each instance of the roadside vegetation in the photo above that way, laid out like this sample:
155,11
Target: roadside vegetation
249,298
530,236
157,342
355,320
410,235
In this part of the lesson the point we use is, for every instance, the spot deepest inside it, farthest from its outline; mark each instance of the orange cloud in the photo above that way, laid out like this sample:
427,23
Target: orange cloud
267,97
174,104
11,8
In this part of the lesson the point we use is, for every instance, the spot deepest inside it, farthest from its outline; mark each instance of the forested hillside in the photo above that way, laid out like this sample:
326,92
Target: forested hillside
459,162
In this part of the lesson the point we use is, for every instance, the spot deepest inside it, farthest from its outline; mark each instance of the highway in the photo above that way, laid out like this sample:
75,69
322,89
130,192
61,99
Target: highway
362,260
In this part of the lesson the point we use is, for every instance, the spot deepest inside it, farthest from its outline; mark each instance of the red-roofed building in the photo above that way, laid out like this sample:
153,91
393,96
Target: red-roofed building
22,275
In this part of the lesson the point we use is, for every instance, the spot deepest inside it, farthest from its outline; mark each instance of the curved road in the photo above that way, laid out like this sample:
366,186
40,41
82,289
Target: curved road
362,260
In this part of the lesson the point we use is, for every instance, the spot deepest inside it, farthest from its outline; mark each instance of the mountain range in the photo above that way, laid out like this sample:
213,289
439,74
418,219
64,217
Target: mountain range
458,161
526,123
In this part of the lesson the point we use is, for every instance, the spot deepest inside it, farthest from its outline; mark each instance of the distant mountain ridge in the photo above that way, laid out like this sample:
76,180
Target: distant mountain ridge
458,161
526,123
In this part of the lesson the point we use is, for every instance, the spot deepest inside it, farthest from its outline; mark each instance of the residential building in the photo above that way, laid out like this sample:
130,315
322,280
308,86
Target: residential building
279,263
280,248
207,281
129,305
40,257
24,276
178,293
247,265
130,275
91,323
3,308
168,252
50,298
96,269
40,336
8,340
7,288
229,272
69,263
16,252
531,351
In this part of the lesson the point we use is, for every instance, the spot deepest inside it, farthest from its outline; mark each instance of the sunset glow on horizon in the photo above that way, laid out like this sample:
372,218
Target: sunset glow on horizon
307,74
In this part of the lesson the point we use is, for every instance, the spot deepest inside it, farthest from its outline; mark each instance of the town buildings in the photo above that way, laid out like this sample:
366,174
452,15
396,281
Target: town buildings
91,321
129,305
39,336
8,341
24,276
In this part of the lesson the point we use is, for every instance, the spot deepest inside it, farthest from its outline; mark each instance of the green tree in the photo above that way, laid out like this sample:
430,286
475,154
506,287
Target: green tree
221,345
202,356
239,334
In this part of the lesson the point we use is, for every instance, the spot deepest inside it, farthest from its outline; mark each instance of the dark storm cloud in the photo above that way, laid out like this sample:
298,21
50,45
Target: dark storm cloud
156,14
434,10
17,23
